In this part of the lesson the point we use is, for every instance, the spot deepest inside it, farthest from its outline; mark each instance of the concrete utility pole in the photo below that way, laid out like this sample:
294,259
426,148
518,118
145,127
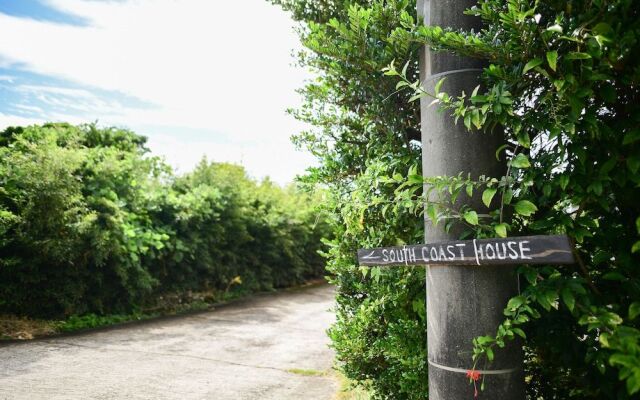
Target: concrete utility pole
463,302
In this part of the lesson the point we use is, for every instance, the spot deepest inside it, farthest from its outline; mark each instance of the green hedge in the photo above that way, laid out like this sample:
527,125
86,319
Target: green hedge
90,223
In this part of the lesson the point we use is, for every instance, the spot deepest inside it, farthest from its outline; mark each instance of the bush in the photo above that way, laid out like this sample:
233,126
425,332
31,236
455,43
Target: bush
562,82
92,224
364,132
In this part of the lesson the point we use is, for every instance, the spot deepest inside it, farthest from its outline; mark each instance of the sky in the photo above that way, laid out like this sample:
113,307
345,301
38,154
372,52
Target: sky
197,77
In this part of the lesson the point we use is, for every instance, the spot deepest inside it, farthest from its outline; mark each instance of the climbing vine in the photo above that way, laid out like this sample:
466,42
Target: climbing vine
563,85
561,82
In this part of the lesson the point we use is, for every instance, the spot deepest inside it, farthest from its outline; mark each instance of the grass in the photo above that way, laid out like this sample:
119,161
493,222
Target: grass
21,328
89,321
307,372
349,391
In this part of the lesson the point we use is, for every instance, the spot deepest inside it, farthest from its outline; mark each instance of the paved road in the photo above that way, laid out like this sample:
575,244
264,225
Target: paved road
240,351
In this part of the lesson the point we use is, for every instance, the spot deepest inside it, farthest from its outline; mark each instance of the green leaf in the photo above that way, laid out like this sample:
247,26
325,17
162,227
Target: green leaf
525,208
613,276
487,196
404,68
574,55
595,187
633,383
608,166
520,161
415,97
515,302
471,217
552,59
439,85
415,179
432,213
601,29
634,310
544,301
622,360
475,118
475,91
636,247
467,121
519,332
501,230
508,195
483,340
469,190
633,163
523,139
376,272
604,340
568,298
531,64
631,136
601,40
564,181
555,28
489,353
499,150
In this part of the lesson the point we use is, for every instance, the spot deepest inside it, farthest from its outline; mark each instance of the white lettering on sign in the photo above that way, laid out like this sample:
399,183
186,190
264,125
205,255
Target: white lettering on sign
523,249
403,255
513,254
461,248
526,249
483,251
515,250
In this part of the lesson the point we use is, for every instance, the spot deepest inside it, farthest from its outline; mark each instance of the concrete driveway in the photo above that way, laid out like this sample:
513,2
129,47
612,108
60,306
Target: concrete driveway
261,348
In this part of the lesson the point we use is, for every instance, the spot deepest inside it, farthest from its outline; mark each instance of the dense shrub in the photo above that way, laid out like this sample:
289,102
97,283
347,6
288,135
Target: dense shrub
91,224
363,133
562,81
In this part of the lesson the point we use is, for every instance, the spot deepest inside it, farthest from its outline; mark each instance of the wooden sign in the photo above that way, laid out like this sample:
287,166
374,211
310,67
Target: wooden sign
554,249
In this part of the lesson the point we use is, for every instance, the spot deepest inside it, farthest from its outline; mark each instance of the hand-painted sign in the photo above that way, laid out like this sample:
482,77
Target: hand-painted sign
554,249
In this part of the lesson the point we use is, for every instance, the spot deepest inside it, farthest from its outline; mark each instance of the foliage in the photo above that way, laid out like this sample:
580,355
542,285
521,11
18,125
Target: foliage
562,82
349,390
93,225
89,321
564,86
363,133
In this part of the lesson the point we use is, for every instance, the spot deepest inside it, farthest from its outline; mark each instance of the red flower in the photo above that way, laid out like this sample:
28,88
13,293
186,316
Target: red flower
473,375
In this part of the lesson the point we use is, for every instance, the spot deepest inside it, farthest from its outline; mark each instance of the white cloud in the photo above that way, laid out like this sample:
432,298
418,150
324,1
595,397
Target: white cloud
12,120
209,65
258,160
29,108
78,93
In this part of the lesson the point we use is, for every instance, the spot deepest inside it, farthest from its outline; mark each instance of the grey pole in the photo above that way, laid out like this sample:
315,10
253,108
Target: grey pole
462,302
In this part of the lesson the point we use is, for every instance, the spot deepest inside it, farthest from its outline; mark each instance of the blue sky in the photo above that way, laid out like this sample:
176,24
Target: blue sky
39,10
198,77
